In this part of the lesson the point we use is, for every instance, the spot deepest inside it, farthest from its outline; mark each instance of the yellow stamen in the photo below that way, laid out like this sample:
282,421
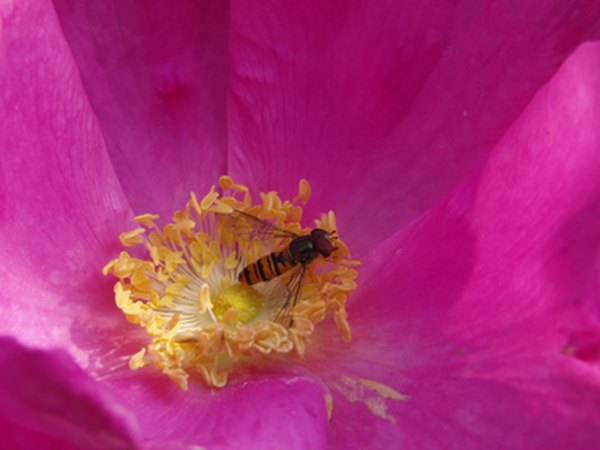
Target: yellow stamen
204,303
208,199
186,295
146,220
374,395
329,405
303,192
137,361
131,238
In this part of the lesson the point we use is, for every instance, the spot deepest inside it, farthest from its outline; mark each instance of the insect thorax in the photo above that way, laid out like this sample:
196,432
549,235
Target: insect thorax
303,250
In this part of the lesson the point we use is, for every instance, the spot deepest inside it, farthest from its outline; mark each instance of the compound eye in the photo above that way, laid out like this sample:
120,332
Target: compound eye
325,247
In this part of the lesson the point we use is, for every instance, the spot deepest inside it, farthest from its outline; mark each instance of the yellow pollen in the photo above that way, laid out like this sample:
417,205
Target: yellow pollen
185,291
245,300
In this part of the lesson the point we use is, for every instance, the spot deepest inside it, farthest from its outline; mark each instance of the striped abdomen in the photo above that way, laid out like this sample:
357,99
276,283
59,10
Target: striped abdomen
267,267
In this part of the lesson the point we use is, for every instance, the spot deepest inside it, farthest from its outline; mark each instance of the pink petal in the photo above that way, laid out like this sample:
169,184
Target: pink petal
156,74
61,205
475,310
48,400
266,410
401,100
584,342
16,437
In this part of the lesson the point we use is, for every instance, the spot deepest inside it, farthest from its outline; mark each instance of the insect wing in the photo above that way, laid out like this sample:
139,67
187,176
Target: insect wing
291,293
254,228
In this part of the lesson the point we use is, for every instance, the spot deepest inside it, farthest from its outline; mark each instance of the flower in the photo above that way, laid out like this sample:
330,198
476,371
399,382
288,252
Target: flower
460,159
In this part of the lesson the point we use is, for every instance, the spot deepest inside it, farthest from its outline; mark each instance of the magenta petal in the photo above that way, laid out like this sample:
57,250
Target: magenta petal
384,106
16,437
477,310
48,398
278,411
156,74
61,205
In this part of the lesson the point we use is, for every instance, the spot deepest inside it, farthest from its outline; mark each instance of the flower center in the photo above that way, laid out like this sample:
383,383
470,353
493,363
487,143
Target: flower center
230,282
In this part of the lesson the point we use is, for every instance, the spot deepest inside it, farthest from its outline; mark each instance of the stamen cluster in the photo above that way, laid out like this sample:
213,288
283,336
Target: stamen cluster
180,283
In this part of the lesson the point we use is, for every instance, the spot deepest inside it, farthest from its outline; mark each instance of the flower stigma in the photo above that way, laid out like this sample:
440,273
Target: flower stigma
180,283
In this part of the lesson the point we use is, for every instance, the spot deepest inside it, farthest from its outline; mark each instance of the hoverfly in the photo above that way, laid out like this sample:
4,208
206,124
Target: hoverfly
297,255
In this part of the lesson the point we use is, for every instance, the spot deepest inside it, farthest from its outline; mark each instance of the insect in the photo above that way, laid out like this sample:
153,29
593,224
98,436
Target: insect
297,255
